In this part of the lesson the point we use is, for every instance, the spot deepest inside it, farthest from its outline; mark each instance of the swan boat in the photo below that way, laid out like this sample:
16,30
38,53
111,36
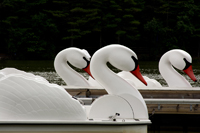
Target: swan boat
175,58
72,57
179,93
31,105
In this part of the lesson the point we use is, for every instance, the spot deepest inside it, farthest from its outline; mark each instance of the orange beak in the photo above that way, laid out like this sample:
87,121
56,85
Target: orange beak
190,73
87,69
137,74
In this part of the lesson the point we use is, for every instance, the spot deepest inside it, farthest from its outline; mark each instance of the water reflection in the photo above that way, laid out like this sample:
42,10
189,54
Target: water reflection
53,77
46,70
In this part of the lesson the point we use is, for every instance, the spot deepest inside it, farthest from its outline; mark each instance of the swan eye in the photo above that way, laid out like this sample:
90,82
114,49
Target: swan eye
88,62
187,64
136,62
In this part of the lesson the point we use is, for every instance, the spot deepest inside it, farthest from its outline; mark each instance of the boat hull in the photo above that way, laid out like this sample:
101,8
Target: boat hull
57,127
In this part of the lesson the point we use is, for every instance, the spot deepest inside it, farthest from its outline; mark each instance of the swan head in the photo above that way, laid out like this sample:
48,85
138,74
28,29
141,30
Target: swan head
125,59
182,61
78,57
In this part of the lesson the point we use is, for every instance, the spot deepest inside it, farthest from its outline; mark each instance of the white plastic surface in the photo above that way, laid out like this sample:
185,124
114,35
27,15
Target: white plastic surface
25,98
121,58
109,105
75,57
137,83
139,109
174,58
13,71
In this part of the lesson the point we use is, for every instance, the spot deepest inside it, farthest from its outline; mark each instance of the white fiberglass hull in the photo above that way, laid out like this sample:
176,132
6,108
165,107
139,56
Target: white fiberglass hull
74,126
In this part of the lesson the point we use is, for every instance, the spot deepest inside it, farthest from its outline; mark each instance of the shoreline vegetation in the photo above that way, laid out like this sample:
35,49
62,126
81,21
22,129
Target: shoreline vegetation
142,57
38,30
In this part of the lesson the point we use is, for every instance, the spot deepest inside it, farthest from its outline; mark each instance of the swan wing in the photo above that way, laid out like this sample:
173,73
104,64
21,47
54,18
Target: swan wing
25,98
7,71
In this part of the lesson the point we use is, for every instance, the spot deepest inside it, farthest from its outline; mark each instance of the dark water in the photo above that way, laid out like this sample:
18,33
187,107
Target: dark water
173,123
46,70
165,123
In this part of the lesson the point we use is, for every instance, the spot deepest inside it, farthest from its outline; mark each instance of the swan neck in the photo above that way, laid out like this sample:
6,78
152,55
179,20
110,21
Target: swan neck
112,83
109,80
70,76
171,76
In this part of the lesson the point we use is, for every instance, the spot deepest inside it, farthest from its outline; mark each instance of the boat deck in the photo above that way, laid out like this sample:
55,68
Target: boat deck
159,100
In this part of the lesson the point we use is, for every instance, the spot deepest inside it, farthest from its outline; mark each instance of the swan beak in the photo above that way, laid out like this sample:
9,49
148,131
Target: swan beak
87,69
137,74
190,73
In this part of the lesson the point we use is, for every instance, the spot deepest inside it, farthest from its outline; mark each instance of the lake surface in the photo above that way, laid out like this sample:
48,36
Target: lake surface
46,70
160,123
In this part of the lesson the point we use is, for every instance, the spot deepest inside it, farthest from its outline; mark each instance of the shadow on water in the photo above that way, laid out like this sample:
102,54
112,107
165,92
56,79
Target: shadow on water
161,123
174,123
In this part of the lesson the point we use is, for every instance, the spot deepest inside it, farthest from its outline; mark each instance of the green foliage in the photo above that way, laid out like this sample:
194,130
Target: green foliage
40,28
120,32
29,32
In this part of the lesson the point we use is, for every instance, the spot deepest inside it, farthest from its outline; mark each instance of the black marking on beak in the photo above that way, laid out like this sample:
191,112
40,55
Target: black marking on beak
187,64
88,62
136,62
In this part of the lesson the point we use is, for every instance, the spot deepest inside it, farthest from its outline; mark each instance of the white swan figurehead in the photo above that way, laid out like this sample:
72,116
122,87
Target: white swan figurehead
119,57
182,61
125,59
76,57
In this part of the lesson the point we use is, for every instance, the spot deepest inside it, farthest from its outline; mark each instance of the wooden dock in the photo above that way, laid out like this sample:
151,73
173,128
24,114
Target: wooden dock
159,100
